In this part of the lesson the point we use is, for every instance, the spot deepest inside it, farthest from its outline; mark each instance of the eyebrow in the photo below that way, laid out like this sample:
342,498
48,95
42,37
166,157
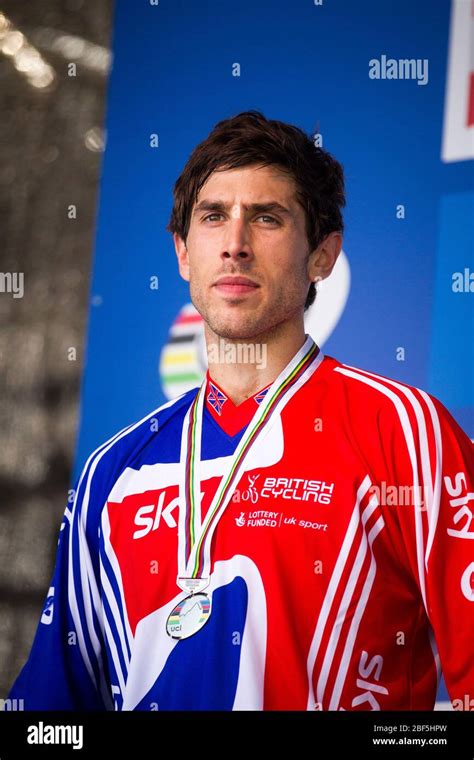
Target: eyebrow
210,205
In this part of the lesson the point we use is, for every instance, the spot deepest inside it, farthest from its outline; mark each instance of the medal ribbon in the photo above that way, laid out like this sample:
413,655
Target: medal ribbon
194,545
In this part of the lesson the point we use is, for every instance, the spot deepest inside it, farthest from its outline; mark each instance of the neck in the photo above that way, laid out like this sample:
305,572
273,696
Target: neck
242,366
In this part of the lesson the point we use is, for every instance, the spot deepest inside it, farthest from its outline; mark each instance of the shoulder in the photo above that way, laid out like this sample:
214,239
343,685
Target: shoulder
104,465
373,385
389,403
377,389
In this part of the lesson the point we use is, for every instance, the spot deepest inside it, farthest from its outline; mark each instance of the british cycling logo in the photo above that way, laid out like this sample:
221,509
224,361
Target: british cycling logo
289,489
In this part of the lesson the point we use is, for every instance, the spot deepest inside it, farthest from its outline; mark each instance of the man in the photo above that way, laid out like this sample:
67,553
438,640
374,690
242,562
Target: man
295,534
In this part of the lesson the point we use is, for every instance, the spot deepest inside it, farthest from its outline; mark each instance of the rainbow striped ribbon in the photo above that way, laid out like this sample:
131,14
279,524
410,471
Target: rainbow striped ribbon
194,555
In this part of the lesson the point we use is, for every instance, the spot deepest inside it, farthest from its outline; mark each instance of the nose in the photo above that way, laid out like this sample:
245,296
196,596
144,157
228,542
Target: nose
236,242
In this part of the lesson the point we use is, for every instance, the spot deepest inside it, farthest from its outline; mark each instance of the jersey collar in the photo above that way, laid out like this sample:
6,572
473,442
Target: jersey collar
229,416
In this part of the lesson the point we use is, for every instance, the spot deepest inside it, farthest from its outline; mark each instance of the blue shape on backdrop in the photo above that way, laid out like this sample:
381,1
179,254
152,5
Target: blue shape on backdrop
451,371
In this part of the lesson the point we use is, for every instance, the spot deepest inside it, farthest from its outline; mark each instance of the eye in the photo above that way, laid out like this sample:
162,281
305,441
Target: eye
272,220
205,218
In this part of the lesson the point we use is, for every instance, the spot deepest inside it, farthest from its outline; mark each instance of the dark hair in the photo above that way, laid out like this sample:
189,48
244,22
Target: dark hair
249,139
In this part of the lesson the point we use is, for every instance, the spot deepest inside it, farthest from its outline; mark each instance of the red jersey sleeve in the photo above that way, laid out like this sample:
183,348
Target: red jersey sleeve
430,453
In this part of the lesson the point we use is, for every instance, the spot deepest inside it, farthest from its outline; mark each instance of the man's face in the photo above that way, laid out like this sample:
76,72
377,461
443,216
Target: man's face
234,238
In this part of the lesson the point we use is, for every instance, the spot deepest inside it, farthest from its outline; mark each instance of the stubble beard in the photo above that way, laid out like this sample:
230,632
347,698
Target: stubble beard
248,325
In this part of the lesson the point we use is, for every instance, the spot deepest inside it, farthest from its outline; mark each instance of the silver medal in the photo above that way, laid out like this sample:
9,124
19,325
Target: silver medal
189,616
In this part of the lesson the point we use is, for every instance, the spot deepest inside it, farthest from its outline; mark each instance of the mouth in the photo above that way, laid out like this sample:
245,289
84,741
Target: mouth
236,285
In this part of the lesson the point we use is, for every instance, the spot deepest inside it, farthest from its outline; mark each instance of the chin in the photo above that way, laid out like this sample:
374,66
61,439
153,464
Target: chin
232,333
233,330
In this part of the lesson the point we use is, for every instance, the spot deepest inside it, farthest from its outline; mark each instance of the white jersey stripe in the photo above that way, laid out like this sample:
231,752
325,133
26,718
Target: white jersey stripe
332,588
408,432
125,634
117,622
348,594
437,485
431,490
115,656
355,623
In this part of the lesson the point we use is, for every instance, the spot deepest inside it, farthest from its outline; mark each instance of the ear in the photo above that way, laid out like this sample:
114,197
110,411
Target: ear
321,261
182,255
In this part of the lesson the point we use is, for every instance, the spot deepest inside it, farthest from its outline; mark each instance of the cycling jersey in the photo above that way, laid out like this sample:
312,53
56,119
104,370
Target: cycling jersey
341,569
